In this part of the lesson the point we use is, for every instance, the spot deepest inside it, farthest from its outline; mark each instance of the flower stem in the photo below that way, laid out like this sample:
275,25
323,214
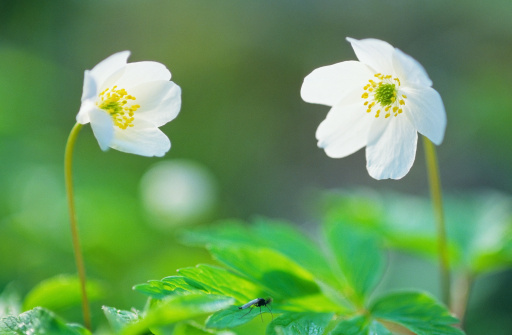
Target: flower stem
437,202
79,260
461,292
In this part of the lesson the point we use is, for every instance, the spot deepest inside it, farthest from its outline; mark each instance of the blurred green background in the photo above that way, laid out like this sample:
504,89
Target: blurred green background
244,139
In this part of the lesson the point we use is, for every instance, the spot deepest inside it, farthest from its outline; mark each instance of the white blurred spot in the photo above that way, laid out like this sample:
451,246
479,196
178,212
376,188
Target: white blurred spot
178,192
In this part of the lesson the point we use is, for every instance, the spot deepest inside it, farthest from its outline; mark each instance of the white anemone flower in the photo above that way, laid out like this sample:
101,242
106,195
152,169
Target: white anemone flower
127,102
381,101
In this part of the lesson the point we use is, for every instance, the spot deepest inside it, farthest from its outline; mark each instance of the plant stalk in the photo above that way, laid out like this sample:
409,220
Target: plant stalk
79,260
437,203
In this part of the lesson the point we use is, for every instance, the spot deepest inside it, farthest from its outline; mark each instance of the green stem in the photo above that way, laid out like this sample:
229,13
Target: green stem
437,202
461,292
79,260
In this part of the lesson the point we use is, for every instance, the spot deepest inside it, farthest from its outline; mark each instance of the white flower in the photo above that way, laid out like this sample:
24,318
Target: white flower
126,103
380,102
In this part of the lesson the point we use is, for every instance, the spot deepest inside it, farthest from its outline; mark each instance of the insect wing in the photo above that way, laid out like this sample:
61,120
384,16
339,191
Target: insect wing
249,304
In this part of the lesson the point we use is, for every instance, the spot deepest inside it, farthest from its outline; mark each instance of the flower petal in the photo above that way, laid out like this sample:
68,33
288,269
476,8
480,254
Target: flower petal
391,148
90,87
328,84
109,66
375,53
102,127
159,101
345,129
142,72
142,139
425,110
409,70
88,96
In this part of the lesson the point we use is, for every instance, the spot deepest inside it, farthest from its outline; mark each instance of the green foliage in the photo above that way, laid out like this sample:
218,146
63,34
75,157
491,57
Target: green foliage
38,321
360,325
177,308
260,264
417,311
479,225
60,292
10,302
299,323
358,257
119,319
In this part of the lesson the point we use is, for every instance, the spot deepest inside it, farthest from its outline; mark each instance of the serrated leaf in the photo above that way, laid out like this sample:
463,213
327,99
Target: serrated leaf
119,319
275,234
286,239
360,325
39,321
358,256
220,281
60,292
178,308
280,276
299,323
417,311
232,317
160,289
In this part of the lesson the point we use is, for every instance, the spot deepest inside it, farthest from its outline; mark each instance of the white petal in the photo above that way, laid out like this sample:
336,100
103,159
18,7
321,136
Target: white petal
88,96
391,148
159,101
86,107
345,129
425,110
375,53
409,70
142,139
109,66
328,84
142,72
102,127
90,88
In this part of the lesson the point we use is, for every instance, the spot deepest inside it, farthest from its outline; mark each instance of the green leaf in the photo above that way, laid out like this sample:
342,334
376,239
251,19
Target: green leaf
192,328
38,321
178,308
231,317
358,256
118,319
275,234
276,273
220,281
60,292
417,311
286,239
479,227
160,289
224,233
299,323
359,206
360,325
10,303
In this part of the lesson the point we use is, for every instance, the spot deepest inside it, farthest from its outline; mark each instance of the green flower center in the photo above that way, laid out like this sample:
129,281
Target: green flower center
119,104
383,94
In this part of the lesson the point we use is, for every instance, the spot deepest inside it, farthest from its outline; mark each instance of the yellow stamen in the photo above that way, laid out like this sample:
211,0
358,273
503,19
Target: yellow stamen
384,92
116,103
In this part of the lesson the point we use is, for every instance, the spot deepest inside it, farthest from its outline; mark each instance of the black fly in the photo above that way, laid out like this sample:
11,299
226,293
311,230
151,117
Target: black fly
258,302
